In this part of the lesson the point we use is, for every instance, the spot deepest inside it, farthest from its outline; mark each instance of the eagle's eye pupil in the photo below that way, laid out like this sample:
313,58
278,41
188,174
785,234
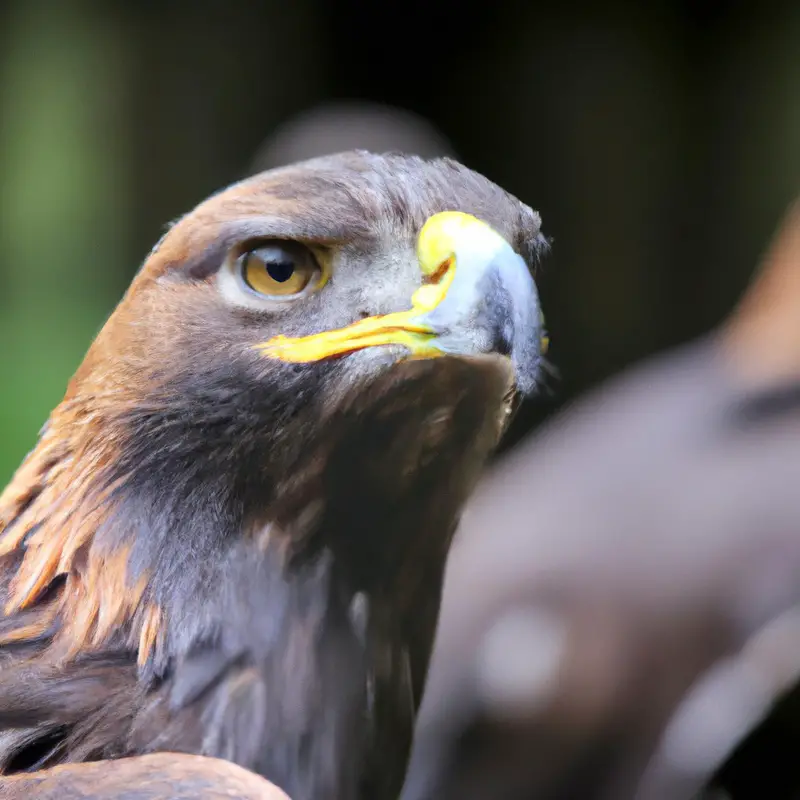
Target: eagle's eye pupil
280,271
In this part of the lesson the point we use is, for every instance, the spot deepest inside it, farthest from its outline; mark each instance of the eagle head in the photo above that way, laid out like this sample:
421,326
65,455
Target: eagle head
244,502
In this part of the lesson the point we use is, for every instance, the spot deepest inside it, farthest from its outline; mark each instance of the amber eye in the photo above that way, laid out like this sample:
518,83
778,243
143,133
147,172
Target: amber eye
279,269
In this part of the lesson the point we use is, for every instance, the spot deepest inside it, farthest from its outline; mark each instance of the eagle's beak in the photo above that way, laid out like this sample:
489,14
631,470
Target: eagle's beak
477,297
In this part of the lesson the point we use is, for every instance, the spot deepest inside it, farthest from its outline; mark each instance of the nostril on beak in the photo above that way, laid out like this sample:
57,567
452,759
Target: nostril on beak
438,274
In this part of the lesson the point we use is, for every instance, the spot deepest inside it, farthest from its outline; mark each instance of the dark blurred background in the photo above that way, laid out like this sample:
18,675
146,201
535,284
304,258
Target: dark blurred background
659,142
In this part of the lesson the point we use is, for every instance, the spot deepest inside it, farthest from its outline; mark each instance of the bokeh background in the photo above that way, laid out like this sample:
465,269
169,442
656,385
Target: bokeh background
659,142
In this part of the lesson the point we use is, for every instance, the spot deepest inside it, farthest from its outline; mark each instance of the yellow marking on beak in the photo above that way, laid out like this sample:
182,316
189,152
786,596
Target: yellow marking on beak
398,328
436,254
544,344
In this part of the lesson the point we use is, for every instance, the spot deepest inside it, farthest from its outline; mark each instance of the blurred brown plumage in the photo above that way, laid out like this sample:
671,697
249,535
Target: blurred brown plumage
161,776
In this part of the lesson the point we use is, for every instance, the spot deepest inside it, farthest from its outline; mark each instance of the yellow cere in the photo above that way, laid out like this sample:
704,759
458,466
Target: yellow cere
438,235
437,261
